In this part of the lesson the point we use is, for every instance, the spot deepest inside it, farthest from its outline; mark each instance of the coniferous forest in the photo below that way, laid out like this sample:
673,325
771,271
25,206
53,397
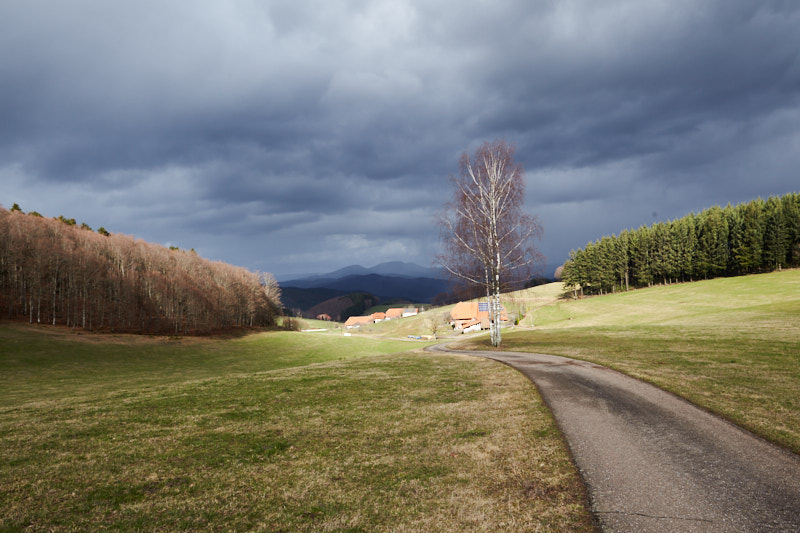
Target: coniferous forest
759,236
53,271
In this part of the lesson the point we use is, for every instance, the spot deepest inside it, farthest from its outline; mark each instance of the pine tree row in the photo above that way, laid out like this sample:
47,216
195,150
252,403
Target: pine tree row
759,236
55,272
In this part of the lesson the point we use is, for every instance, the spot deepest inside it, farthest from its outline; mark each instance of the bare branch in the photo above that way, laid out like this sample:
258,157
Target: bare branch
487,239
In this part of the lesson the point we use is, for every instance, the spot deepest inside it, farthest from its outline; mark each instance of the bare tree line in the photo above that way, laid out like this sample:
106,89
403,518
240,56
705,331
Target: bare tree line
54,272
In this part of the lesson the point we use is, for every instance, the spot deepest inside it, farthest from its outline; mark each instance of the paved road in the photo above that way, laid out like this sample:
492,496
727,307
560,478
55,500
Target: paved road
655,462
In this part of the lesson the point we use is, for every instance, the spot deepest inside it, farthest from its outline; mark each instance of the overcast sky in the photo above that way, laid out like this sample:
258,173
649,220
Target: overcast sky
302,136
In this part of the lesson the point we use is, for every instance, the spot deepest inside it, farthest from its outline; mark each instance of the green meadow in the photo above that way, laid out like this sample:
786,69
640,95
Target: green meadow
275,431
731,345
289,431
38,363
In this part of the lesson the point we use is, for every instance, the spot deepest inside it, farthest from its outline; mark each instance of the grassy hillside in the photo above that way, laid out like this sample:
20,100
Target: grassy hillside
526,303
276,431
759,303
48,363
296,298
731,345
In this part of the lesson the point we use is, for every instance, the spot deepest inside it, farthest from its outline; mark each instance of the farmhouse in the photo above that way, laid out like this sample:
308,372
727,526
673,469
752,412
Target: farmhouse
400,312
324,316
394,312
473,316
358,321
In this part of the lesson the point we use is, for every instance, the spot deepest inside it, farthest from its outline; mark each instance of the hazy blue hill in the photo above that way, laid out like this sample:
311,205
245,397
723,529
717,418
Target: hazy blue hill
387,287
411,270
306,293
352,270
390,268
305,298
393,280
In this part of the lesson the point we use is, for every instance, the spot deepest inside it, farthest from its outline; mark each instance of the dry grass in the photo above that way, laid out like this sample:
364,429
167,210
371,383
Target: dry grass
406,442
730,345
39,363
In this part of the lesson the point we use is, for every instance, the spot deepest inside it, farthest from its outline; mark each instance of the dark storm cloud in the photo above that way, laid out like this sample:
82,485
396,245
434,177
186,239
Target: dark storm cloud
289,135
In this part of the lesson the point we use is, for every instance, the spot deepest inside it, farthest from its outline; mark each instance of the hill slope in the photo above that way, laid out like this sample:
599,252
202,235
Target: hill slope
385,287
296,298
731,345
137,433
750,302
54,272
399,269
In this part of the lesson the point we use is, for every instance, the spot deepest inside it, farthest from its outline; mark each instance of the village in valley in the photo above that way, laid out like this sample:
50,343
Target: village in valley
465,317
391,314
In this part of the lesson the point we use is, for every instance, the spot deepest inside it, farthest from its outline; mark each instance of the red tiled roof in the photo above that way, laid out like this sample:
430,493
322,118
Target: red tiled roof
465,311
358,320
470,311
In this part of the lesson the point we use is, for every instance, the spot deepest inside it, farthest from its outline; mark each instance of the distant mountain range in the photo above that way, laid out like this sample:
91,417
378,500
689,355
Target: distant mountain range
413,289
394,280
391,268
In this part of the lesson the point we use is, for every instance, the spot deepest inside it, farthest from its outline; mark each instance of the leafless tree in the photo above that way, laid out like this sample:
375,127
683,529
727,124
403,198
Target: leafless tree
488,240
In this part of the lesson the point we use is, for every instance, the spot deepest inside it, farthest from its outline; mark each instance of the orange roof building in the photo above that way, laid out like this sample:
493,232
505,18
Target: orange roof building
394,312
466,314
358,321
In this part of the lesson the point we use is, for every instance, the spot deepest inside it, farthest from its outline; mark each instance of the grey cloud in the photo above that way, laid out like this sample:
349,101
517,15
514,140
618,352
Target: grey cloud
327,129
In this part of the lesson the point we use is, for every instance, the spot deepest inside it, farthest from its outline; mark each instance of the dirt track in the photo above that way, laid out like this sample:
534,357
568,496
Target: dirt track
655,462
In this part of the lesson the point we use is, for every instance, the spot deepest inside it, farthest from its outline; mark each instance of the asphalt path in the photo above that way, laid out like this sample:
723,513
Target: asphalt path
655,462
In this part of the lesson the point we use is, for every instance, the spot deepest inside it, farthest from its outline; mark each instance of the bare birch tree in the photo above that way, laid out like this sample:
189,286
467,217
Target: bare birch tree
487,239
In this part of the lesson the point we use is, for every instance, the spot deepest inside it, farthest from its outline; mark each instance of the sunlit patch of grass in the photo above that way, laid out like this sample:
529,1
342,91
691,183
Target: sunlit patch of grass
38,363
405,442
730,345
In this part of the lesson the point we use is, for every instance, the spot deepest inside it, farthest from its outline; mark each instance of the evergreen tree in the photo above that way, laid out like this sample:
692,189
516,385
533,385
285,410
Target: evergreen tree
747,237
641,261
688,233
590,261
606,264
622,258
712,243
660,252
570,274
776,244
759,235
790,207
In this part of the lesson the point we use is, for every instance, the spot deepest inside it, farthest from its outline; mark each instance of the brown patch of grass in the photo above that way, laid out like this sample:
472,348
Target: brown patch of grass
731,345
390,443
745,376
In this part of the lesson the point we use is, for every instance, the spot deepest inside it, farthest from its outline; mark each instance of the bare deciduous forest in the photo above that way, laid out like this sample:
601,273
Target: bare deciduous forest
55,272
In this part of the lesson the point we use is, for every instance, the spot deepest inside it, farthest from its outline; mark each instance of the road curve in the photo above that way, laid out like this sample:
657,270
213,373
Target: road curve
655,462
